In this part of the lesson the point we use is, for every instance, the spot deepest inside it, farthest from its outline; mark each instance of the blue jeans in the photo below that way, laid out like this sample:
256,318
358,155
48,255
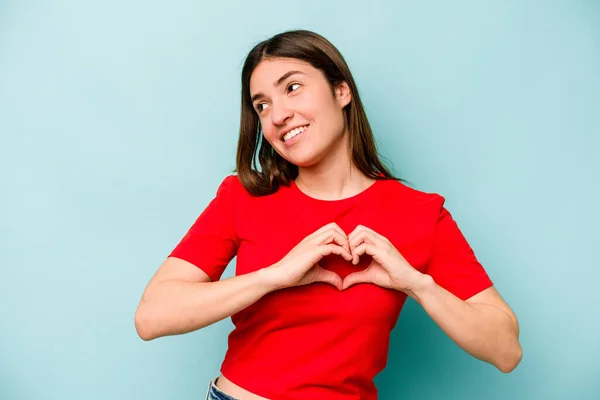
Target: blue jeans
214,393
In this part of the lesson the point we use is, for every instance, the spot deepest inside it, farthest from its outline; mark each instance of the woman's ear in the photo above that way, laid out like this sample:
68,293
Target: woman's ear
343,95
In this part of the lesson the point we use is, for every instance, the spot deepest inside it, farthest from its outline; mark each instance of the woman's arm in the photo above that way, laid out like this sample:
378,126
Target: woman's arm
483,325
181,298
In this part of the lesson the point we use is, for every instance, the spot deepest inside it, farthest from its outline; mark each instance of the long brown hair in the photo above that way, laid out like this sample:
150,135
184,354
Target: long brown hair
274,169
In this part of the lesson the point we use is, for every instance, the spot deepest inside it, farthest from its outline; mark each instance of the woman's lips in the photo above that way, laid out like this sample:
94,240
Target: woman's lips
296,138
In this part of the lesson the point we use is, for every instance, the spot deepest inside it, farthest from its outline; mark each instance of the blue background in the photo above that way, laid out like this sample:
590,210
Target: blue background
119,119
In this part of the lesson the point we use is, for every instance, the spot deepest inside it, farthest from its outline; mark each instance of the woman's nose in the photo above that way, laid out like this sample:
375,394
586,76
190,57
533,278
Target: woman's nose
280,114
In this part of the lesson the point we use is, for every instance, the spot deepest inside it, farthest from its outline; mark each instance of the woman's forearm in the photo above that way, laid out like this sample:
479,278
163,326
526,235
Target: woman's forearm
175,307
484,331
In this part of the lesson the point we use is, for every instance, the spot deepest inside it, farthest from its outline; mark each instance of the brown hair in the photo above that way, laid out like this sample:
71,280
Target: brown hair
275,170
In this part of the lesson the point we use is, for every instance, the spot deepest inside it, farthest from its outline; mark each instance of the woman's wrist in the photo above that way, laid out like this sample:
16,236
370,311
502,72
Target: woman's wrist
269,279
421,285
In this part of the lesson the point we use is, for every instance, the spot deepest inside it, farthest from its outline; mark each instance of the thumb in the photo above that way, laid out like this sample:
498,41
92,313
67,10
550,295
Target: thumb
356,277
327,276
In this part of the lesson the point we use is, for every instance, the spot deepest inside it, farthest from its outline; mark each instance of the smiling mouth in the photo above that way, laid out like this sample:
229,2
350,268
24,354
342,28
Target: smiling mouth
294,132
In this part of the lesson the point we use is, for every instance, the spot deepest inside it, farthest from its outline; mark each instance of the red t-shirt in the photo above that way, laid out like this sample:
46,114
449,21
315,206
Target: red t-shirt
313,341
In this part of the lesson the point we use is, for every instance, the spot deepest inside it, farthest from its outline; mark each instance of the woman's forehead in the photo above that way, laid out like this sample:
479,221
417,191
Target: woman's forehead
269,71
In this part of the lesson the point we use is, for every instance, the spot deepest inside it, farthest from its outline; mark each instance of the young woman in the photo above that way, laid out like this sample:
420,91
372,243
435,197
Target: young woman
329,245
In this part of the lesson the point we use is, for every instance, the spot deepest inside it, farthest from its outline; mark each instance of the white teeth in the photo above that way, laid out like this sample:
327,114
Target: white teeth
294,132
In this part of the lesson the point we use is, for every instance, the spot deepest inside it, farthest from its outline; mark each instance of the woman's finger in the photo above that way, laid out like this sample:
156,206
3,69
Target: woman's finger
365,237
367,248
361,229
363,276
332,248
325,228
324,275
333,235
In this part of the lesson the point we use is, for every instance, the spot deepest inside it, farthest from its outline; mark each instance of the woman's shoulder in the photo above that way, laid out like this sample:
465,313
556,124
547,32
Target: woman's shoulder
400,190
234,187
231,181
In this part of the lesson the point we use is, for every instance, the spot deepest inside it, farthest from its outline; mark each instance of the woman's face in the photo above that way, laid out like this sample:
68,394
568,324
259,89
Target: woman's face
300,116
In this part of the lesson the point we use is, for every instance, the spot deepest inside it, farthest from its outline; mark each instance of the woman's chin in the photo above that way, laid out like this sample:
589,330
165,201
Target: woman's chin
305,160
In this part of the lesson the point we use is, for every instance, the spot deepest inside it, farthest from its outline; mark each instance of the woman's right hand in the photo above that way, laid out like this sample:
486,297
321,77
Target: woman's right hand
301,265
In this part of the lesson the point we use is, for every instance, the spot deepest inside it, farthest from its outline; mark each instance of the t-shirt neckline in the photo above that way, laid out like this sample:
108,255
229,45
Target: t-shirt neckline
355,197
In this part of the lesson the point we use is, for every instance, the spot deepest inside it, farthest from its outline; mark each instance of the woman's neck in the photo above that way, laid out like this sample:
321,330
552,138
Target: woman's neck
333,183
335,177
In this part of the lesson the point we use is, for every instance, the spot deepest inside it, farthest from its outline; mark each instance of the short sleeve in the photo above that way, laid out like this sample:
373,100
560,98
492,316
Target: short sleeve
452,263
211,242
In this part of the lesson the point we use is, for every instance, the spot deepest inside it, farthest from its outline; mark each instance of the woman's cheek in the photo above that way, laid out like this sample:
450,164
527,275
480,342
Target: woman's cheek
268,131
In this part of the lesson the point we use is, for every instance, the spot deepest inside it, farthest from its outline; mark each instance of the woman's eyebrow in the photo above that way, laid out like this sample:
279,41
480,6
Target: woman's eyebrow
277,83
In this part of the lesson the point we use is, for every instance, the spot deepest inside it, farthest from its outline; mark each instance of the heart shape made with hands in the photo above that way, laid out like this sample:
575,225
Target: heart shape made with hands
377,262
344,269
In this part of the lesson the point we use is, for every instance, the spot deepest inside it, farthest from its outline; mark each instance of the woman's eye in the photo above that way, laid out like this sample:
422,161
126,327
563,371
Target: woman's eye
259,107
291,88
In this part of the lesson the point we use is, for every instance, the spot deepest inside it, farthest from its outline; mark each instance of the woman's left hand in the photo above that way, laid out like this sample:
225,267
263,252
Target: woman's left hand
389,269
